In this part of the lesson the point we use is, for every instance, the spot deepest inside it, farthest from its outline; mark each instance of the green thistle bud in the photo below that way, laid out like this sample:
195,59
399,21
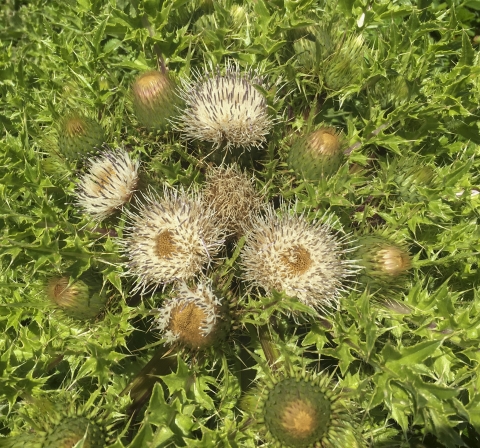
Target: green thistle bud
385,262
81,299
317,154
71,430
342,67
79,135
408,178
306,52
303,411
154,99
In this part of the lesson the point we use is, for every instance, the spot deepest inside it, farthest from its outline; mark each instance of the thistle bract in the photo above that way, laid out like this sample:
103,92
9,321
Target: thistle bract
226,110
385,262
79,135
316,155
303,411
154,99
71,430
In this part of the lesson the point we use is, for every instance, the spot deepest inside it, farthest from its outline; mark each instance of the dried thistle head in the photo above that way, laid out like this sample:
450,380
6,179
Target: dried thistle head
232,195
195,318
305,260
170,238
224,109
109,183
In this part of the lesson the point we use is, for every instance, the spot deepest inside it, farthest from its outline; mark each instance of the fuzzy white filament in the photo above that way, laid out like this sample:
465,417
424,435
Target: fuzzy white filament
109,183
302,259
170,238
224,109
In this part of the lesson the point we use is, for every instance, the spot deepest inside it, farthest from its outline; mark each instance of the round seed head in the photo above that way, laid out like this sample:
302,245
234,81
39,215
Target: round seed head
234,198
194,318
109,183
302,259
170,238
79,135
81,299
304,411
317,154
224,109
154,99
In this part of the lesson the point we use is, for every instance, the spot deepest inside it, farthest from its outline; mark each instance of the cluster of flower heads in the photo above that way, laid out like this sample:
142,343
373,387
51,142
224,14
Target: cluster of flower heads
174,237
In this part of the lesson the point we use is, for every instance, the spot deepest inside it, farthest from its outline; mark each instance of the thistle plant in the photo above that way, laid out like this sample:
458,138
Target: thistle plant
194,318
154,99
317,154
295,408
81,299
219,316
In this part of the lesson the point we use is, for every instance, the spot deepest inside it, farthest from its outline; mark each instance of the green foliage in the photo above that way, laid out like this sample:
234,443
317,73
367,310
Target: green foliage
399,79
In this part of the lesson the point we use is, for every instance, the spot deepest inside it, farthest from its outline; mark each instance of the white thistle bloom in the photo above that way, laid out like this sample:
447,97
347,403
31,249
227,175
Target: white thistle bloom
109,183
192,318
169,239
224,109
302,259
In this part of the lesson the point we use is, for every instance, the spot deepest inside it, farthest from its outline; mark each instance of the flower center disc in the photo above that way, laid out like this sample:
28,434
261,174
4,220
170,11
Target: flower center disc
297,259
165,246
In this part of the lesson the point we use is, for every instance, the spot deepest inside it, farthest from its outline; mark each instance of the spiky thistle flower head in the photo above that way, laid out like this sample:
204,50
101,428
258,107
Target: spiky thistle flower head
305,260
79,135
231,193
80,299
224,109
170,238
194,318
109,183
154,99
64,424
303,410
